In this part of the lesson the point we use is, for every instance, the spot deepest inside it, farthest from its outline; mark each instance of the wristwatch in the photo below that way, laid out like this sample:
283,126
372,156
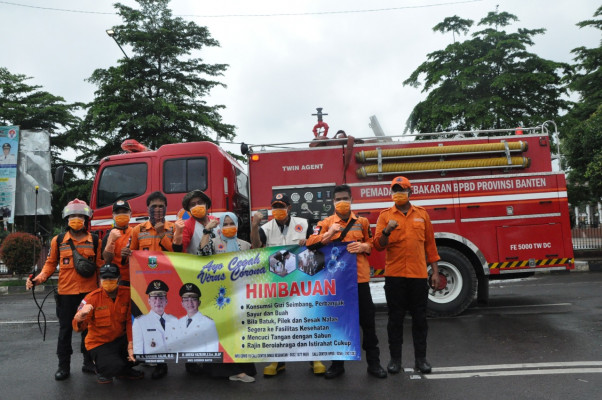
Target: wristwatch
207,231
386,233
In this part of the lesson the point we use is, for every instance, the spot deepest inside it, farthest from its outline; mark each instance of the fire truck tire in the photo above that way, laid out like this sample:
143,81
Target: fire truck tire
460,288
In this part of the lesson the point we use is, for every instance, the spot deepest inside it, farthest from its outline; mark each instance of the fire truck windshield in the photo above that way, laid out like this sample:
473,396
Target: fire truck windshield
121,182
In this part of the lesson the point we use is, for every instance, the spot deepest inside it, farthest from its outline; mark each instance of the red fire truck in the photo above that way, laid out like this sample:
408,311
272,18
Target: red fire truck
174,169
496,204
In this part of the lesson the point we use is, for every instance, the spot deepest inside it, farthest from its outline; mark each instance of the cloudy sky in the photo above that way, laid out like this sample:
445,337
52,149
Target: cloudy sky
286,58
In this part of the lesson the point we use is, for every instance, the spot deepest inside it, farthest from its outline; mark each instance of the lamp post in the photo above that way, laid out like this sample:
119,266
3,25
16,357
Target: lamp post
111,34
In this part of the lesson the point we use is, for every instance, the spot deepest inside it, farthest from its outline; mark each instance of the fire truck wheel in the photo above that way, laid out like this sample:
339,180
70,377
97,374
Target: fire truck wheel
460,280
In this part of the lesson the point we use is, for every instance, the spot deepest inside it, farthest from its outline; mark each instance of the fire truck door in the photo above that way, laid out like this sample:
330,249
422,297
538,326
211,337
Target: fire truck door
539,243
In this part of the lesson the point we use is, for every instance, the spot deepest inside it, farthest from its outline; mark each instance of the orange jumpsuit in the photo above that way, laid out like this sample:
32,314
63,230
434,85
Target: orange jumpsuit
70,282
108,320
120,243
359,232
411,244
145,237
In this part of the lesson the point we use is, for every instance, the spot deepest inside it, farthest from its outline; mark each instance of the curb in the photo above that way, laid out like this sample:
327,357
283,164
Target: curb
4,290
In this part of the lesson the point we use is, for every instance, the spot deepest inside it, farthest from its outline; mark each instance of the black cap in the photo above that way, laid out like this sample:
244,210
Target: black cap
6,146
195,193
109,271
281,198
157,286
190,289
121,204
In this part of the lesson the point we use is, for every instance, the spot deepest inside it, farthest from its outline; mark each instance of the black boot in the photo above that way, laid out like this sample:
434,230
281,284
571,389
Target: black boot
88,367
64,369
159,372
422,365
394,366
337,368
376,370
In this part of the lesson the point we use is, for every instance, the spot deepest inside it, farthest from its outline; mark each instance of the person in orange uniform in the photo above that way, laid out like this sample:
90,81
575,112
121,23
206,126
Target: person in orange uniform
72,287
336,228
157,234
106,314
116,245
283,229
406,233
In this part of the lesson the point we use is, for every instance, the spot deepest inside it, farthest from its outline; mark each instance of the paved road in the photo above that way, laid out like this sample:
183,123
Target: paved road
539,338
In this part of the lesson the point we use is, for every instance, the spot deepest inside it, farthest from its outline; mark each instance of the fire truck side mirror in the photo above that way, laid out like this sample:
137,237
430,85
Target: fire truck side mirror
59,175
244,148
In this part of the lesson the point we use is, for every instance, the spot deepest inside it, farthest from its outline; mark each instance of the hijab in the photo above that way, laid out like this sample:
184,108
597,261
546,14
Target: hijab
231,243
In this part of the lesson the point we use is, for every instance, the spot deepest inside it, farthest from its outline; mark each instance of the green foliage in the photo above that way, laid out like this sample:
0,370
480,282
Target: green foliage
489,81
582,126
156,94
20,251
31,108
583,149
76,188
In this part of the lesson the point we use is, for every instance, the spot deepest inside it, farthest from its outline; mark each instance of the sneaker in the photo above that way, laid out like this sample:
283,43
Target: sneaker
274,368
103,379
242,378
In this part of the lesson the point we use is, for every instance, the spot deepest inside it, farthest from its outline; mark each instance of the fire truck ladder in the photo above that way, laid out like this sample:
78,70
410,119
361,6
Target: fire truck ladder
383,168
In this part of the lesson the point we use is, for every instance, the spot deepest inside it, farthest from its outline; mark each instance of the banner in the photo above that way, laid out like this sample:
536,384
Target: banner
9,141
285,303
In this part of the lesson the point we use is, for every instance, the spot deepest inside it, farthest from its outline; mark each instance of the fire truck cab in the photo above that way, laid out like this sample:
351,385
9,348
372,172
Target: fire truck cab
496,205
174,169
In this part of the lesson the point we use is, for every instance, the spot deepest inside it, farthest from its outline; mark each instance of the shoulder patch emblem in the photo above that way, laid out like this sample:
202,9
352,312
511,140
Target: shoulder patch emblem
298,228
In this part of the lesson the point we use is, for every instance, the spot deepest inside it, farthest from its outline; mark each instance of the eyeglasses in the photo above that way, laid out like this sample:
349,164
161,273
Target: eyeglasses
158,297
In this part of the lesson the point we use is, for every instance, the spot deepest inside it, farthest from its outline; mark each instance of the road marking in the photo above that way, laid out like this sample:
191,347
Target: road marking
523,306
484,371
25,322
515,373
524,365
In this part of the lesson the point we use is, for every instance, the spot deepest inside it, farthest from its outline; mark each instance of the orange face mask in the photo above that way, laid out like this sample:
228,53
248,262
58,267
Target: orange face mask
109,285
400,198
121,220
279,213
342,207
76,223
198,211
229,231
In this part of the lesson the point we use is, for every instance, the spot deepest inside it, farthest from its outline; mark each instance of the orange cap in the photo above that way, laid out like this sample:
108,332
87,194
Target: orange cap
401,181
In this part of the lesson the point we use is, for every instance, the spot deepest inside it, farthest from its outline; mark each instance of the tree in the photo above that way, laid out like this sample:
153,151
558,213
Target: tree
489,81
31,108
582,126
20,252
155,95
